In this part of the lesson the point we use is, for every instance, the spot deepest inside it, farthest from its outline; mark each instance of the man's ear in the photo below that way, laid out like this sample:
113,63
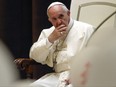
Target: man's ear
68,13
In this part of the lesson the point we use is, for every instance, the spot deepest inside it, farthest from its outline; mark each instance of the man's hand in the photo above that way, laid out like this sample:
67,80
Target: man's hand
57,33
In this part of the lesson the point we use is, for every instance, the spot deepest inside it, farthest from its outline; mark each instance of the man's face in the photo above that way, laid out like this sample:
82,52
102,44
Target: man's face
58,16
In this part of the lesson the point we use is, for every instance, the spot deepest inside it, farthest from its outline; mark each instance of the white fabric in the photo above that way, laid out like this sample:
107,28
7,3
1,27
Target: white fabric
100,55
74,42
8,71
9,76
49,80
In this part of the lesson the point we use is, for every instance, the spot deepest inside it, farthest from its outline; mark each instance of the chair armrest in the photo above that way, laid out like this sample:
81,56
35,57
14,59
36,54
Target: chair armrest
23,63
27,65
33,69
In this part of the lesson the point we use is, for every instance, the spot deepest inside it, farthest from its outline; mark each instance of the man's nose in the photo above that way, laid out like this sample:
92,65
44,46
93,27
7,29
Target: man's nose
59,21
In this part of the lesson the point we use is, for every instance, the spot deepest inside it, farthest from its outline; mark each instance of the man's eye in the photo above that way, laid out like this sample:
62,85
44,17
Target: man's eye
61,16
54,19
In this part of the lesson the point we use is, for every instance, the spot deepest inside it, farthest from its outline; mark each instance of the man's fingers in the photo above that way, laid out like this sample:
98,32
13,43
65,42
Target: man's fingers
61,26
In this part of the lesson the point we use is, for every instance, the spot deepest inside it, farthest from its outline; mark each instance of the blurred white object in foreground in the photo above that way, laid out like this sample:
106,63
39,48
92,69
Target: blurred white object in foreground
9,76
95,66
8,73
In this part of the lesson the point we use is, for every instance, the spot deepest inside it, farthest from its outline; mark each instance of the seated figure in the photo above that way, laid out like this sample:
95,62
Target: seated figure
57,46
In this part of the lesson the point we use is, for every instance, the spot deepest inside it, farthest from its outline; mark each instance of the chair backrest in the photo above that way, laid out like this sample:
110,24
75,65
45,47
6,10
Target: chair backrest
95,12
98,14
101,35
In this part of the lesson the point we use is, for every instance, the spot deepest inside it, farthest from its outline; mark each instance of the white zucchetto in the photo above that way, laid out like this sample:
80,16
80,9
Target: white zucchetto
54,3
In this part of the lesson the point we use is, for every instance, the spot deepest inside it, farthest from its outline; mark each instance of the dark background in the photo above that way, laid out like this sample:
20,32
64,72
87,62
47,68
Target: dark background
21,22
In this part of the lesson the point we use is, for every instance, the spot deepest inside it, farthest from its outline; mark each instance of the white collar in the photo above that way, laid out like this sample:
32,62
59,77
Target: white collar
70,24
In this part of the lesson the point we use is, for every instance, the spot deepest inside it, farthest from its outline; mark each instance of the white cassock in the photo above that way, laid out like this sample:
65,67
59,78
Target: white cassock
43,52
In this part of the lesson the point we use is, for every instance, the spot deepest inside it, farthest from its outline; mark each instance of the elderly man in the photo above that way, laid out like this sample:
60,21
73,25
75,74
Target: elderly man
57,45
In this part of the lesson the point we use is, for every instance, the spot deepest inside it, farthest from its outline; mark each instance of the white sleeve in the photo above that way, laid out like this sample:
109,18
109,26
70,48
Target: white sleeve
40,49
